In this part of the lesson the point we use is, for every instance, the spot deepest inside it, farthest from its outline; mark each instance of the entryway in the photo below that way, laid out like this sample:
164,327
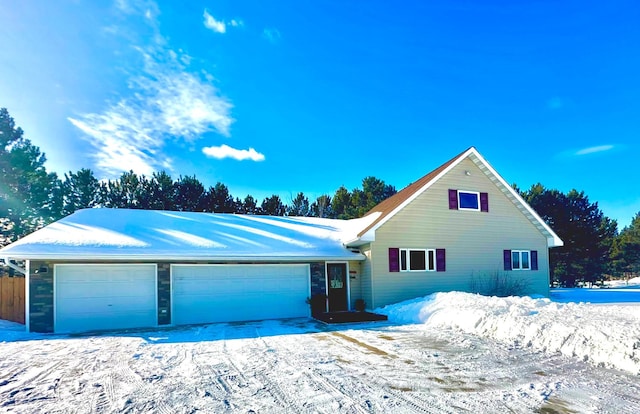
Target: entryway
337,287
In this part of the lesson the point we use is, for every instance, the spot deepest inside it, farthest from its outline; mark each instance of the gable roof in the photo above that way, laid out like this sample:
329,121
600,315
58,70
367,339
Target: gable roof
391,206
124,234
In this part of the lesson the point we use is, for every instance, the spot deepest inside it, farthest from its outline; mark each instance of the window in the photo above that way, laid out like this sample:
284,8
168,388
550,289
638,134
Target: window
468,200
520,260
416,260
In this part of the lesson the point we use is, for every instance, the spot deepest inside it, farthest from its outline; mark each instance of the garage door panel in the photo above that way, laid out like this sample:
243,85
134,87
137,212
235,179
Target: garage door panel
95,297
226,293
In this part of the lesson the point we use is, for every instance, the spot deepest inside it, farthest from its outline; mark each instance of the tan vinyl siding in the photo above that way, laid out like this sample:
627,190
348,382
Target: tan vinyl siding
474,241
355,283
365,277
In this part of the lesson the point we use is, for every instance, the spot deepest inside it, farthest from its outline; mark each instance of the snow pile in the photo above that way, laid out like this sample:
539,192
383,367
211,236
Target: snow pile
602,335
633,282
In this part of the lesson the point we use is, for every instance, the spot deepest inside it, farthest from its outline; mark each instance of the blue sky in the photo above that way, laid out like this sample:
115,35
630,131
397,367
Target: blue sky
286,96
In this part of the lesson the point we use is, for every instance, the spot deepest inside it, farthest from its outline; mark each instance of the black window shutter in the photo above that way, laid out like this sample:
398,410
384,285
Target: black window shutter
534,260
484,202
507,259
453,199
394,259
441,262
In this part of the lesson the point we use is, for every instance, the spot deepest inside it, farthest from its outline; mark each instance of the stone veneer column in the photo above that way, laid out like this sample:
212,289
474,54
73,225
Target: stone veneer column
40,296
164,293
318,283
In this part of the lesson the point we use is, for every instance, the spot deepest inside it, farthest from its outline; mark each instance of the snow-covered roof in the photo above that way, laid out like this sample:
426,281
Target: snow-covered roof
124,234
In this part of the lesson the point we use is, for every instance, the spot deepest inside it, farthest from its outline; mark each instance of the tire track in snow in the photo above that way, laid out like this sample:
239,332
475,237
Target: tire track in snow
323,385
417,404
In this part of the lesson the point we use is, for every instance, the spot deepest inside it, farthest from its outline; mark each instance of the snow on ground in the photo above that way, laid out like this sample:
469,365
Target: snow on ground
298,366
604,336
446,353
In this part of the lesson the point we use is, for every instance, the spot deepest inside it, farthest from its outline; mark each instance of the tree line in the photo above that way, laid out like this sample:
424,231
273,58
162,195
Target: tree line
31,197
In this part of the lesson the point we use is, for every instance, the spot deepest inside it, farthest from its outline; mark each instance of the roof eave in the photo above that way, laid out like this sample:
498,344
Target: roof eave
189,258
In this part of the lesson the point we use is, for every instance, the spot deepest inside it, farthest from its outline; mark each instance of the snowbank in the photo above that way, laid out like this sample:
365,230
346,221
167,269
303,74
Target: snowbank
602,335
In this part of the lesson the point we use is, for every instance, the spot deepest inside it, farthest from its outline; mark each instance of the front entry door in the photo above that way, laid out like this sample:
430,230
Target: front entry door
337,284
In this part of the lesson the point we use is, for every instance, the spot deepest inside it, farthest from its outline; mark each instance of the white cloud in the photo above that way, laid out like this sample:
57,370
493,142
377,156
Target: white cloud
272,35
166,101
225,151
210,22
593,150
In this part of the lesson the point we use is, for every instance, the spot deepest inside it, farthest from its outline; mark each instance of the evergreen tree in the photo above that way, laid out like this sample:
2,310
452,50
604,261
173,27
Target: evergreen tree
299,206
626,249
273,206
586,233
248,206
218,200
80,190
189,193
161,191
29,196
341,203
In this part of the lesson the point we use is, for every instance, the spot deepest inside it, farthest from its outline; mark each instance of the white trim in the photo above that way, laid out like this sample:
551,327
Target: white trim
520,268
27,291
55,298
476,193
347,278
426,260
552,239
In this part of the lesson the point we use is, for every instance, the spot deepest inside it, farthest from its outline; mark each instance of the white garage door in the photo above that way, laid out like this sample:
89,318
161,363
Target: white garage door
93,297
227,293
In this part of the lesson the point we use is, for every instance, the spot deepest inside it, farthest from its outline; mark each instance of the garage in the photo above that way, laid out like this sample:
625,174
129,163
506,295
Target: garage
227,293
104,296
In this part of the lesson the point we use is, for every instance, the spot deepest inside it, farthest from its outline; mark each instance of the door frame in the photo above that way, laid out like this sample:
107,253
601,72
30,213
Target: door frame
326,281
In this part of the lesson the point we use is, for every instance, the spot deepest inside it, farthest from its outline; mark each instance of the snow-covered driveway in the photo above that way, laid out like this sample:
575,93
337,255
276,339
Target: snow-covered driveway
299,366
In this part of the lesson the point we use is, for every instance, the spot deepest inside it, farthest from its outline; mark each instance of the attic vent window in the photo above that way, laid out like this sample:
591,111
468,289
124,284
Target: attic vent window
468,200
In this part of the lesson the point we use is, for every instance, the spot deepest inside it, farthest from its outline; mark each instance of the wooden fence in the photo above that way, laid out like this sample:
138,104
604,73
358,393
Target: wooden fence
12,298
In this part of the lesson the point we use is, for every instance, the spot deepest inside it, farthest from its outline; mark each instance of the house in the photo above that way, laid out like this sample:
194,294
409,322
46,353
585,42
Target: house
118,268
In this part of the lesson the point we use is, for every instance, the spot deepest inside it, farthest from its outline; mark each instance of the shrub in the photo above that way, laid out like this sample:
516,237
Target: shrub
499,284
360,305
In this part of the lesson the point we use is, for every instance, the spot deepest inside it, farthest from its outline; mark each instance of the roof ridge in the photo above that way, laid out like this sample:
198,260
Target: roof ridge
387,206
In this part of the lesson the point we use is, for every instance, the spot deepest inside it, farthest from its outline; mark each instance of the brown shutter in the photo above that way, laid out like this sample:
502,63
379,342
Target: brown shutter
453,199
394,259
534,260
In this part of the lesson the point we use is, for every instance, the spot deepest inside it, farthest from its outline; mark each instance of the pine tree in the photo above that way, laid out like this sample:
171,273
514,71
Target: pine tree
273,206
29,196
299,206
80,190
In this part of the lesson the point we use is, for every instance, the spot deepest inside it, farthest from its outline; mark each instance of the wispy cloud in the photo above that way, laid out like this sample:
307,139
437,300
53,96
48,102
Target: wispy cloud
210,22
593,150
225,151
272,35
166,101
